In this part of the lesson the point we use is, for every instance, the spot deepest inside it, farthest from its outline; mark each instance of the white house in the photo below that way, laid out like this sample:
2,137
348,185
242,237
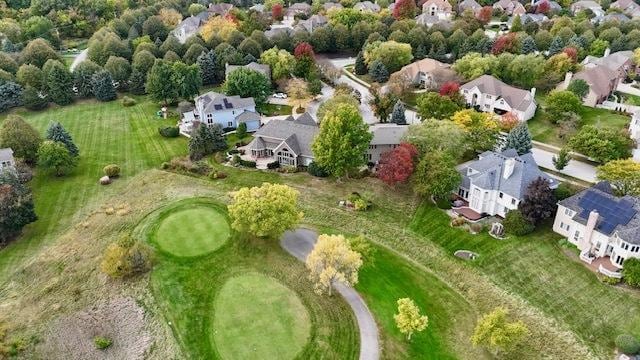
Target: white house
190,26
595,7
386,137
367,6
227,111
604,227
6,159
634,127
441,9
426,73
497,182
488,94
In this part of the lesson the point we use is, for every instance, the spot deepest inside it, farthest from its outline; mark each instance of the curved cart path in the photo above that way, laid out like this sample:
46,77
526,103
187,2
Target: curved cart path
299,243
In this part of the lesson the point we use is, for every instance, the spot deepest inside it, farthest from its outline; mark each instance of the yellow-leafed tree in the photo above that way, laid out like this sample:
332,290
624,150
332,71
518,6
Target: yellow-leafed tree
332,260
496,333
408,319
217,26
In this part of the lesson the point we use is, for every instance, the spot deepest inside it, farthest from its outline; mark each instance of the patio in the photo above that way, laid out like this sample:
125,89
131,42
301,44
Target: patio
461,207
603,266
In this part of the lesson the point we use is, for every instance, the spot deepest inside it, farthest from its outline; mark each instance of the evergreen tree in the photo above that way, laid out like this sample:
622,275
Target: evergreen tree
207,64
205,141
16,206
159,84
421,52
528,45
83,77
378,71
516,25
397,115
103,87
519,138
60,84
136,82
32,100
10,95
556,45
562,160
56,132
361,66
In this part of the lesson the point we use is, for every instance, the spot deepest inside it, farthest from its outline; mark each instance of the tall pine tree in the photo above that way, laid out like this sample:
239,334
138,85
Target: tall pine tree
528,45
378,71
136,82
207,64
519,138
103,88
60,83
361,66
56,132
397,115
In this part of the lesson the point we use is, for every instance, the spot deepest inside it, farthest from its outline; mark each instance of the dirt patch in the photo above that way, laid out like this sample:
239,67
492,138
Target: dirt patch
121,320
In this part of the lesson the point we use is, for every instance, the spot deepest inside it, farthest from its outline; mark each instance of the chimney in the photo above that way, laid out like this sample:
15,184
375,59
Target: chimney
585,243
607,52
533,92
509,164
567,79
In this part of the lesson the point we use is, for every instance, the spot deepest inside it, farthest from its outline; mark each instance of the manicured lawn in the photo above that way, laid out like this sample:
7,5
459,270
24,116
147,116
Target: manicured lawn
105,133
192,231
536,268
274,109
257,317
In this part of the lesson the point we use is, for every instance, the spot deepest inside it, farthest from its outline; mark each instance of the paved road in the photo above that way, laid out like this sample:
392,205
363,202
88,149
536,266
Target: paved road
299,243
80,58
577,169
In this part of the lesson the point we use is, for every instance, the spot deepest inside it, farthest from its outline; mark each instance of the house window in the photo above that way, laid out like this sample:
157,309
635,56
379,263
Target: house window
619,260
465,91
501,195
513,201
561,225
229,124
209,121
567,211
625,246
576,235
209,116
488,96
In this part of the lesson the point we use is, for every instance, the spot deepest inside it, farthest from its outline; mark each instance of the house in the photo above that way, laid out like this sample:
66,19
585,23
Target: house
510,7
275,32
190,26
439,8
620,62
604,227
261,68
471,5
297,9
286,141
367,6
578,6
602,82
553,5
220,9
427,20
634,127
6,159
227,111
311,24
497,182
331,5
258,8
426,73
613,17
489,94
386,137
629,7
527,18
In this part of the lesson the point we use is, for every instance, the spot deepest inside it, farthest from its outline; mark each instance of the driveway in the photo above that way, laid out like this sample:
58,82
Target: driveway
575,168
79,58
299,243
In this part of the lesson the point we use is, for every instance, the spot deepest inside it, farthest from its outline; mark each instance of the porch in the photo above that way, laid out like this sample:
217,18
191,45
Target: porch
460,206
601,265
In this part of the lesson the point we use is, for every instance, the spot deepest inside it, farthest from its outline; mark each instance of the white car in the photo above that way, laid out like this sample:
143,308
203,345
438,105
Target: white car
280,95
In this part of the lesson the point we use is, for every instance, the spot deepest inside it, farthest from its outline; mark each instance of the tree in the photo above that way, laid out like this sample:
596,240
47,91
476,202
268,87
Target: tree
137,82
562,160
37,52
539,202
519,138
360,66
331,261
54,157
579,87
397,165
10,95
248,83
484,14
556,45
298,93
196,8
381,103
603,145
83,77
280,61
408,319
206,140
339,97
528,45
631,271
32,99
120,70
543,7
398,115
193,53
16,206
560,103
56,132
624,175
481,128
218,26
59,84
437,135
187,79
496,333
143,61
404,9
207,64
515,223
265,211
21,137
241,131
393,55
342,141
126,257
378,71
436,175
155,28
103,87
450,88
158,85
431,105
30,76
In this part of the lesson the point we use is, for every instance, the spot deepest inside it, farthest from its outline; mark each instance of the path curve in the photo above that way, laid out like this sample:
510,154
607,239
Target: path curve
82,56
299,243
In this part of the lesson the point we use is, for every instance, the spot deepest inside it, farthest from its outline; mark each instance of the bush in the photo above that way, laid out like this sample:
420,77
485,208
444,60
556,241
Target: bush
184,164
317,170
169,131
102,342
443,203
627,344
475,228
128,101
112,170
217,175
126,257
246,163
288,169
631,272
273,165
514,223
458,221
610,280
565,190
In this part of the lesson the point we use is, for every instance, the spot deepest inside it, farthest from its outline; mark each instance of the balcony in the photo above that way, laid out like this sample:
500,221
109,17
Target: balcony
616,274
586,257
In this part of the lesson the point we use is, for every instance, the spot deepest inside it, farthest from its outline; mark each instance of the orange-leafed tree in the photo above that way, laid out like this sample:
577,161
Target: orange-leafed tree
397,165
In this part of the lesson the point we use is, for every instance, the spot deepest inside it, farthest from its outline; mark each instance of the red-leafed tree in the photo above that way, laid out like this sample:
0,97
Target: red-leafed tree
231,17
397,165
505,43
304,49
543,7
404,9
449,88
277,12
571,52
508,121
484,15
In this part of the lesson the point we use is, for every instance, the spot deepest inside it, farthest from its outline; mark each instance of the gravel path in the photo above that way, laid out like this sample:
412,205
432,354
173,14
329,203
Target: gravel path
299,243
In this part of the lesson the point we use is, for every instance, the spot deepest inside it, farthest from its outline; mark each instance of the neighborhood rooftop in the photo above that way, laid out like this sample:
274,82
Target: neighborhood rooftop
518,98
215,101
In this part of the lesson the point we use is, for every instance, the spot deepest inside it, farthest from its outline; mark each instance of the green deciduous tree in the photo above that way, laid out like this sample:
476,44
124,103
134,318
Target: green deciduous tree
56,132
32,99
408,319
248,83
561,102
331,261
496,333
206,140
265,211
30,75
159,85
624,175
519,138
436,175
437,135
16,206
143,61
103,88
186,79
603,145
562,159
392,54
579,87
343,140
120,70
432,105
37,52
53,157
21,137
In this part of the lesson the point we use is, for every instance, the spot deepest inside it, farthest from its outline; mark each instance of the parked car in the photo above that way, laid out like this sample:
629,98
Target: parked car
280,95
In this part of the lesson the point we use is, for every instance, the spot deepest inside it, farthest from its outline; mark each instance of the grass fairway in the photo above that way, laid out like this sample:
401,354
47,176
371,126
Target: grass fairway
193,231
256,317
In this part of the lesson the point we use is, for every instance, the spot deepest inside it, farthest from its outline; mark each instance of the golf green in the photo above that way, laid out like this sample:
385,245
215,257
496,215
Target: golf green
192,231
256,317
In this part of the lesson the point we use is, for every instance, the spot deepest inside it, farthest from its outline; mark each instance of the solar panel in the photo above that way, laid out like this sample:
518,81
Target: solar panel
612,212
217,106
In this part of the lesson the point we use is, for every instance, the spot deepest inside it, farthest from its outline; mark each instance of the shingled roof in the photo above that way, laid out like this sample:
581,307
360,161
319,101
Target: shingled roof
214,102
518,99
297,134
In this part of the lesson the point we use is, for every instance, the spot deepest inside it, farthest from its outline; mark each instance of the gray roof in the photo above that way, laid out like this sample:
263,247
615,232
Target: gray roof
271,33
247,116
190,24
6,154
332,5
629,232
613,61
312,23
387,134
489,170
296,134
214,102
304,119
469,4
367,5
220,8
526,18
261,68
518,99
